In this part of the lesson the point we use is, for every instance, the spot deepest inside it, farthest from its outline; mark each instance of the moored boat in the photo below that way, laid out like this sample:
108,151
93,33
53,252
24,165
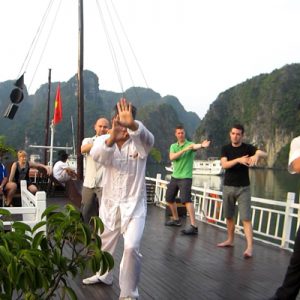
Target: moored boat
210,166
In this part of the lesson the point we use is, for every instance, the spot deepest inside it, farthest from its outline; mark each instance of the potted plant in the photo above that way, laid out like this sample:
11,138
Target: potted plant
36,262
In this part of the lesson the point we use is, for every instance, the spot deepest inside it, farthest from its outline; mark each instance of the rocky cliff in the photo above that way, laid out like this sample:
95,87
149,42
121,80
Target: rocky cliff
160,114
267,105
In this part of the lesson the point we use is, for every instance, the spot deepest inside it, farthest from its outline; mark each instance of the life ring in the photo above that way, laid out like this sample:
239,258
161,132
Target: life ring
218,206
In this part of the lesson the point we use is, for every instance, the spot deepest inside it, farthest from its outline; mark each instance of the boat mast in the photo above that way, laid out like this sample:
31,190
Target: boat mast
47,120
80,124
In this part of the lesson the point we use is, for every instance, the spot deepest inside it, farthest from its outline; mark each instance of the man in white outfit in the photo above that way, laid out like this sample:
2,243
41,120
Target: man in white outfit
123,153
291,284
62,172
91,190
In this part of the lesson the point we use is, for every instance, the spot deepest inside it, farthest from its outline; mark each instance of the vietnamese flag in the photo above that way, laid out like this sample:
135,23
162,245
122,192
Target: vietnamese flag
57,107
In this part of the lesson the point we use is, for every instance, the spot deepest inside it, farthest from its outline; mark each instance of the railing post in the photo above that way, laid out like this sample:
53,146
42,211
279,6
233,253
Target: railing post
23,187
204,202
157,188
287,220
40,207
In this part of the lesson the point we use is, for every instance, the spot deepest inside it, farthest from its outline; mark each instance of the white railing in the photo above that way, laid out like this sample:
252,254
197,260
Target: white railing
274,222
32,206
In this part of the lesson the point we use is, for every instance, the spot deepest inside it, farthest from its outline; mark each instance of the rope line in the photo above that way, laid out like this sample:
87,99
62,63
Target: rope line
34,41
113,14
130,46
110,45
119,43
46,43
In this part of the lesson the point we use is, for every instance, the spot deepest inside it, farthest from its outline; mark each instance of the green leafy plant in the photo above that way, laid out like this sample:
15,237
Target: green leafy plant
5,149
156,155
36,262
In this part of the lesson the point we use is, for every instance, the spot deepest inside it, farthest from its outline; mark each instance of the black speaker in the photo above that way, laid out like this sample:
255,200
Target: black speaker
16,95
11,111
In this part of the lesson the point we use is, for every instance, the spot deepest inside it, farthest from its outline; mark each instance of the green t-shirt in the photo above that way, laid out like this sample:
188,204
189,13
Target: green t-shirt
183,166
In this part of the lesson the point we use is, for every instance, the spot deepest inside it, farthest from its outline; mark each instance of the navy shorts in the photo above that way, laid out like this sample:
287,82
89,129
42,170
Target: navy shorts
184,186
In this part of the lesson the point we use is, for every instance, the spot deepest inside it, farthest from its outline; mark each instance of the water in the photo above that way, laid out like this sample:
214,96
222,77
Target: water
265,183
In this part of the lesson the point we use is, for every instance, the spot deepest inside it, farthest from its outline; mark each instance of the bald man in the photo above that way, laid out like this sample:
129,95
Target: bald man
91,190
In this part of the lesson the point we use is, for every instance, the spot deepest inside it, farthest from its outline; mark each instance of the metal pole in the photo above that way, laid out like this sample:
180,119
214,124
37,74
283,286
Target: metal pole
51,144
80,124
47,119
73,136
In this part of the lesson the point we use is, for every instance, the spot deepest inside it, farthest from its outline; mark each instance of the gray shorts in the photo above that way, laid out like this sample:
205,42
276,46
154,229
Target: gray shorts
242,195
184,186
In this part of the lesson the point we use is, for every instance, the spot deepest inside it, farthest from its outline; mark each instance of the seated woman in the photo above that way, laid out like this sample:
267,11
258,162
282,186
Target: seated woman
20,171
3,179
62,172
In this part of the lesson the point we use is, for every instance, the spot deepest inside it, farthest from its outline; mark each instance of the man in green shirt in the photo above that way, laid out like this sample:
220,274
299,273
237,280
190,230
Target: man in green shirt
182,156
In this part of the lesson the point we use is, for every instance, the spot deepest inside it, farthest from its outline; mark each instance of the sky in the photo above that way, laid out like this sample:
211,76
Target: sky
191,49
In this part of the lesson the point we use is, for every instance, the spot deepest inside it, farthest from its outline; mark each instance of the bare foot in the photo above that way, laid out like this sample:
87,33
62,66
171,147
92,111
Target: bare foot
248,253
225,244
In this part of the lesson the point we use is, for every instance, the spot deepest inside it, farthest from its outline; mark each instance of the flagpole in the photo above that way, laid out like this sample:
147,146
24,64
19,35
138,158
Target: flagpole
51,144
47,119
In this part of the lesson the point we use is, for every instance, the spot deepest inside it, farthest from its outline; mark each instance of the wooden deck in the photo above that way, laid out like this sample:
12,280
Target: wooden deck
192,267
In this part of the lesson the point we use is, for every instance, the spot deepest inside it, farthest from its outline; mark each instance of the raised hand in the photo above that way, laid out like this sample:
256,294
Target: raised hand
205,143
117,132
123,120
125,117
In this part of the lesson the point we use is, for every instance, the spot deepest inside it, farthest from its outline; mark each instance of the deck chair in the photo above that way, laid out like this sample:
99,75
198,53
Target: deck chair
55,187
74,191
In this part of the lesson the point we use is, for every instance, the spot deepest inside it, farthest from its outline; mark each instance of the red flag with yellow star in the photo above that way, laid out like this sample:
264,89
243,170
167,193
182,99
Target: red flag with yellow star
57,107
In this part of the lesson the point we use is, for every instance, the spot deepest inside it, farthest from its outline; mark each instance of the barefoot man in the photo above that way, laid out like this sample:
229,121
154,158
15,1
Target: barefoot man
236,158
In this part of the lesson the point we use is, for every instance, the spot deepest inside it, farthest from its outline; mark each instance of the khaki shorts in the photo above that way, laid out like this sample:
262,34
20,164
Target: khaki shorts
240,194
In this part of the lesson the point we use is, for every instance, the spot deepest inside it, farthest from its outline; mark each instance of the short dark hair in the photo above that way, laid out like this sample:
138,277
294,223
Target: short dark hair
179,126
239,127
62,155
133,110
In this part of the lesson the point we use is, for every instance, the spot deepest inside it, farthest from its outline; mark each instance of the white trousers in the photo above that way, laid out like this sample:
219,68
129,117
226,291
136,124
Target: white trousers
130,266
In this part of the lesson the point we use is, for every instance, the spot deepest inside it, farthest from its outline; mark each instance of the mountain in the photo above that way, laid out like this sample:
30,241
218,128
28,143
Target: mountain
160,114
267,106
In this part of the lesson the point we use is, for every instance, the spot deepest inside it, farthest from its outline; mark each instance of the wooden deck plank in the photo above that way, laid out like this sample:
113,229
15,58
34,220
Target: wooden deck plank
192,267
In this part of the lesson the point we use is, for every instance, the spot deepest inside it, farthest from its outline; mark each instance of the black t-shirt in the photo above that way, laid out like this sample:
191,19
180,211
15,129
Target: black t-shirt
238,175
22,174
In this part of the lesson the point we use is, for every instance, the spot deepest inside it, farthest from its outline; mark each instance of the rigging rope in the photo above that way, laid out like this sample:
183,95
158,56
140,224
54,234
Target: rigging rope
112,49
110,45
119,43
46,43
35,39
130,46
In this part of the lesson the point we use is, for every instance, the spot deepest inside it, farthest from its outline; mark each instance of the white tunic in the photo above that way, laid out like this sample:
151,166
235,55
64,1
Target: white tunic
294,153
93,170
123,178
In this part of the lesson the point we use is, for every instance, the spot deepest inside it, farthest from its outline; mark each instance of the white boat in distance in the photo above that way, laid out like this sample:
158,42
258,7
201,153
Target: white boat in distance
210,166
